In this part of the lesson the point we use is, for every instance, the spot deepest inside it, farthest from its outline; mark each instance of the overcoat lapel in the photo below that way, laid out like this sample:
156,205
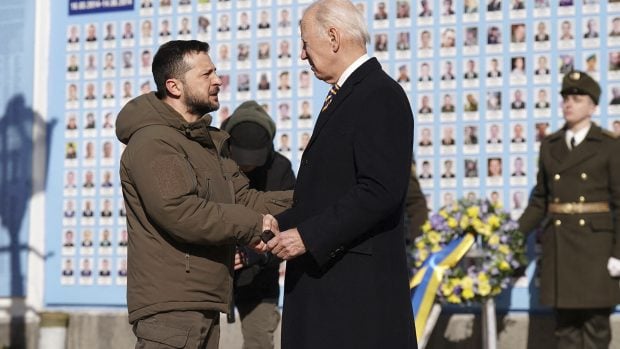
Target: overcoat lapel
584,151
559,149
358,75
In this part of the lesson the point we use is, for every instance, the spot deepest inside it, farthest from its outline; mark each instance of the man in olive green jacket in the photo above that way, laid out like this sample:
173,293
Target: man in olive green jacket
577,196
187,204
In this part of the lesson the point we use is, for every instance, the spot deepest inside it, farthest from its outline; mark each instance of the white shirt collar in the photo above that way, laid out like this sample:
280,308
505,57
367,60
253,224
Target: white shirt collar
347,72
579,135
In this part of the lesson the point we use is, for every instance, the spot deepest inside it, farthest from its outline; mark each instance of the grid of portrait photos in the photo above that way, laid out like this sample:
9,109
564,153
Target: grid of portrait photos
485,77
108,62
482,77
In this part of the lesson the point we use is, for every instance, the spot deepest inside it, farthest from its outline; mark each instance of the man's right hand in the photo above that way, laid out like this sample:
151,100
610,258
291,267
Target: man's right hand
269,224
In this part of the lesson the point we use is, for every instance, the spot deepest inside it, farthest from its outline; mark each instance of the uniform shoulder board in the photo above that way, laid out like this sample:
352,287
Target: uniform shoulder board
610,134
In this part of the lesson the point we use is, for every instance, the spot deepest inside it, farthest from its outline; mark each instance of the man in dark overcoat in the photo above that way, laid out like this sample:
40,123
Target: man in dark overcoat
346,280
577,201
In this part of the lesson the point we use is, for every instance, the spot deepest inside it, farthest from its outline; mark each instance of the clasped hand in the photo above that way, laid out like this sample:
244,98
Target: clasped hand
285,245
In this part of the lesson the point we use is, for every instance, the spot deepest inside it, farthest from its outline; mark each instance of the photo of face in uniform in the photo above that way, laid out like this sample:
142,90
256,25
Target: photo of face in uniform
426,137
448,169
542,101
447,106
425,72
518,135
566,31
425,105
470,135
471,168
426,40
427,170
403,9
518,167
426,9
542,33
495,136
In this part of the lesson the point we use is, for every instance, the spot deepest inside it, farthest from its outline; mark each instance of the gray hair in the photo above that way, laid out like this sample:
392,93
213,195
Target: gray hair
343,15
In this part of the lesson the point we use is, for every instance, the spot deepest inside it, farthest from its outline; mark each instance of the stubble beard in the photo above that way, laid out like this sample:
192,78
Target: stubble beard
198,106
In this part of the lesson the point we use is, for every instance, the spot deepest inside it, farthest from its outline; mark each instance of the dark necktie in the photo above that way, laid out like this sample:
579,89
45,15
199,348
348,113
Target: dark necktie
572,143
330,96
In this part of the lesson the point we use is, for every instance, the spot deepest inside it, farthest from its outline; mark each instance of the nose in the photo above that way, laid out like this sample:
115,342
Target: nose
303,55
216,80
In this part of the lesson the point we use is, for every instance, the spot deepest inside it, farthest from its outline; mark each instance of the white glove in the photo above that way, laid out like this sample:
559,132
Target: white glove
613,266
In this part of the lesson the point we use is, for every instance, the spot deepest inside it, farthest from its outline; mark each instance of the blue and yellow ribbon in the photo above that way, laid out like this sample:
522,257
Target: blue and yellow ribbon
426,281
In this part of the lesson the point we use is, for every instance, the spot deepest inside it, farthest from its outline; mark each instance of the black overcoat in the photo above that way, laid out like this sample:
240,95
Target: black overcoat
350,290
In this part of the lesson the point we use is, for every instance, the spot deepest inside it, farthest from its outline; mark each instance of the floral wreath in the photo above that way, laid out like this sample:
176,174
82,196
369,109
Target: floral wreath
498,250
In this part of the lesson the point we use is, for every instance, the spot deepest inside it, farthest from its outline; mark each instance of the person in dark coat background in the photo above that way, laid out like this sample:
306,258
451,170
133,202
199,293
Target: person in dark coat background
256,279
416,207
577,196
346,280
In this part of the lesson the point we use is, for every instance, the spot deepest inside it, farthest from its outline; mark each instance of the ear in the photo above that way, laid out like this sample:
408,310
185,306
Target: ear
174,87
334,38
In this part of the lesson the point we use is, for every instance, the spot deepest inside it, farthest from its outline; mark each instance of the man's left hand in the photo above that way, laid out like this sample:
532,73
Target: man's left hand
287,244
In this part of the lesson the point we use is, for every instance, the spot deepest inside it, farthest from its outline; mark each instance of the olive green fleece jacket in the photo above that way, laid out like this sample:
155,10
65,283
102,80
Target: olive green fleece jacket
187,207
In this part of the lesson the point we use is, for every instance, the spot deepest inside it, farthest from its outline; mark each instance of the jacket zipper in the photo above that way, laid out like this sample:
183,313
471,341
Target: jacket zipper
187,262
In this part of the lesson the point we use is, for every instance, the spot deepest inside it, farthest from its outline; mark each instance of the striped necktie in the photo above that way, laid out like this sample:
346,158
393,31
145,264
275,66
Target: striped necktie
330,96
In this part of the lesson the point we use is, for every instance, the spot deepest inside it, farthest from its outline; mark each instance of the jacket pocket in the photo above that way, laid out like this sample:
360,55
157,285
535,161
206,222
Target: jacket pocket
602,224
203,183
159,333
365,247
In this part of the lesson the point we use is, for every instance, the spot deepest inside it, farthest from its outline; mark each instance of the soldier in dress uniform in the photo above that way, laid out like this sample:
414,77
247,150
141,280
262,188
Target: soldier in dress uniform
577,201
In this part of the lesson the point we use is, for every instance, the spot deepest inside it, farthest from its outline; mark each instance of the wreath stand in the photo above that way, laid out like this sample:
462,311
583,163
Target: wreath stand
489,327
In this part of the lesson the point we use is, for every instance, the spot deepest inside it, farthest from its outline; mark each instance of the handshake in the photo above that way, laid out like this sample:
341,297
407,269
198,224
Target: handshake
285,245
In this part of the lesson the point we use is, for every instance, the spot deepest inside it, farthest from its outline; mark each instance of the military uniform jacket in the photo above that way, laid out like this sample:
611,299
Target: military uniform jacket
576,247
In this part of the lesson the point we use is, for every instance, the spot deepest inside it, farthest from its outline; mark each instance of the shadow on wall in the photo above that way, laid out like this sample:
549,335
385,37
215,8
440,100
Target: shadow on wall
16,146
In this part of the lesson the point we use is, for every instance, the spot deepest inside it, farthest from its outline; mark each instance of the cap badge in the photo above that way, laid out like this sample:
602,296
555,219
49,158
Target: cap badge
575,75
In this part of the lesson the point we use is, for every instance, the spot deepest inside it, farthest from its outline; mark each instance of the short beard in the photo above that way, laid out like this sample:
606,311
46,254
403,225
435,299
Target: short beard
197,106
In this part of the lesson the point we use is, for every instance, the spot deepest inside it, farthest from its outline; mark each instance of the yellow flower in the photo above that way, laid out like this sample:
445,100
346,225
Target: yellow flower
464,222
494,240
467,282
503,266
426,227
443,213
473,211
433,237
468,293
435,248
452,223
494,221
420,245
496,290
423,254
446,289
483,277
454,299
484,230
477,224
503,249
484,288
